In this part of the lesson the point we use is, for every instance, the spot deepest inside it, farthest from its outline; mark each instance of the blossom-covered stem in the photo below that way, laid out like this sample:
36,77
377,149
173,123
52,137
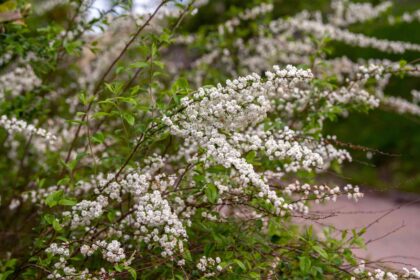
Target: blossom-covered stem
61,51
159,45
102,79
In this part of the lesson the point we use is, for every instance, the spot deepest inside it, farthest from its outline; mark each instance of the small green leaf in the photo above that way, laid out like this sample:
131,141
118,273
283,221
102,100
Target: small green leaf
56,225
179,276
82,98
99,138
6,274
250,156
132,272
49,218
129,118
63,181
254,275
140,64
7,6
53,199
72,47
212,193
67,202
304,264
118,267
240,264
111,216
321,252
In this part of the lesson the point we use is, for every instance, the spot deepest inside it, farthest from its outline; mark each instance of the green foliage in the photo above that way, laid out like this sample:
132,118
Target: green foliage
107,102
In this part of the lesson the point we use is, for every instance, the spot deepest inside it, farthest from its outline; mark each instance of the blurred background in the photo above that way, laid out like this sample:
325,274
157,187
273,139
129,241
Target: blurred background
397,135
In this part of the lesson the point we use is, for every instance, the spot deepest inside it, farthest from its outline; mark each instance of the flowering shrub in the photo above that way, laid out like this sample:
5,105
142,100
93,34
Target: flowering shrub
131,149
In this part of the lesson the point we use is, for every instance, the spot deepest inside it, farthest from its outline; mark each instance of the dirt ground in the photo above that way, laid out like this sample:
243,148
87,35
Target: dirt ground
394,230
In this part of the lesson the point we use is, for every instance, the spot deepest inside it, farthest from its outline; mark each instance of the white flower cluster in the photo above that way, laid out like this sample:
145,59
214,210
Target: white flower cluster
292,103
318,193
241,103
251,13
18,80
407,17
14,203
61,270
58,250
39,195
322,30
280,145
84,212
262,51
346,12
401,105
14,125
379,274
353,94
416,96
111,251
413,273
209,266
342,67
155,222
64,272
6,58
150,218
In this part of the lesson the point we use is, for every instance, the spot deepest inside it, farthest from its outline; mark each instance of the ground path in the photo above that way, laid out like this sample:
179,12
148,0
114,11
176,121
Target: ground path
395,237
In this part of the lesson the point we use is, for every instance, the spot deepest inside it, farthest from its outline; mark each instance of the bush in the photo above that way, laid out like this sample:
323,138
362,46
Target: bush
166,146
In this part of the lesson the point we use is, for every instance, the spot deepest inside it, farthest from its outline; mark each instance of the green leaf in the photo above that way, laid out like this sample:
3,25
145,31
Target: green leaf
179,276
98,115
118,267
187,255
72,47
159,64
304,264
348,256
49,218
129,100
119,70
53,199
254,275
359,242
8,6
212,193
165,37
82,98
132,272
6,274
67,202
99,138
321,252
140,64
64,181
71,165
111,216
250,156
180,85
129,118
115,88
56,225
240,264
